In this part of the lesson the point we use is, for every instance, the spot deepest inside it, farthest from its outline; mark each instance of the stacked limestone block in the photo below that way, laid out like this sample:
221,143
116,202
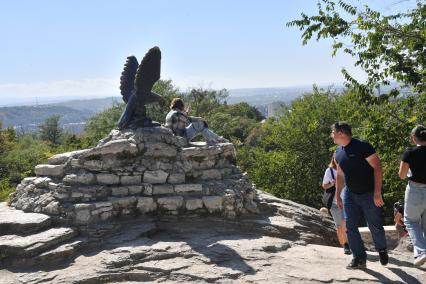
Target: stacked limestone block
143,171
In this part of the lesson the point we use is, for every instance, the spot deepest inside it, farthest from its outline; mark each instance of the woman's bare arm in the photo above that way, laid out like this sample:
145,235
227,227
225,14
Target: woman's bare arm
403,170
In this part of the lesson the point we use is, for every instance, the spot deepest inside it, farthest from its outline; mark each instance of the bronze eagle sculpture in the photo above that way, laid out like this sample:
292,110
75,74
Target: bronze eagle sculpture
136,84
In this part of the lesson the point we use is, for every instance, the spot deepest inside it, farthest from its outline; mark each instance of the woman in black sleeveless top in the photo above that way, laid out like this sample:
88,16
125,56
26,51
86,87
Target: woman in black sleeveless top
413,167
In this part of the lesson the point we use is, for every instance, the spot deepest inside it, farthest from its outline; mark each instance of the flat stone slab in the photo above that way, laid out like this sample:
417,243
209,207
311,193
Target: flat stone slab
209,251
61,252
17,222
133,232
49,170
390,232
64,157
14,245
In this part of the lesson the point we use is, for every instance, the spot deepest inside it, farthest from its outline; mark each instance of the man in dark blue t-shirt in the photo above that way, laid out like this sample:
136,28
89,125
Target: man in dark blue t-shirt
358,166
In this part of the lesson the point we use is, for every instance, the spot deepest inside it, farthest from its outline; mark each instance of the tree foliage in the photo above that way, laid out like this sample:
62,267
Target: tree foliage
99,125
235,121
201,102
288,156
291,153
50,130
384,46
21,159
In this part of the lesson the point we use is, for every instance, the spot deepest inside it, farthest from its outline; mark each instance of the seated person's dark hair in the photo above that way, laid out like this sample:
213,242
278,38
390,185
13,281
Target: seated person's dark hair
398,207
177,103
342,127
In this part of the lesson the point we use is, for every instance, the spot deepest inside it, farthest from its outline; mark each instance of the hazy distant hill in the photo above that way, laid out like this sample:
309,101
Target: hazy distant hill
263,96
92,105
73,114
269,100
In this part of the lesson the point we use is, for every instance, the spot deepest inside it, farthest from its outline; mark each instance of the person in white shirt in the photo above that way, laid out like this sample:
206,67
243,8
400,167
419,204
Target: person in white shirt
328,183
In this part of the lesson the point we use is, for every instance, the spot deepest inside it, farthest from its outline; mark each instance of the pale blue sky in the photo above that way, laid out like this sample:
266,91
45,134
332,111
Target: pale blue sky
58,48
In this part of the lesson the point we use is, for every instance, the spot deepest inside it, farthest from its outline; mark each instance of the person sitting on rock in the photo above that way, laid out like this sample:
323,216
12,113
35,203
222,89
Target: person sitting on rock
189,126
398,213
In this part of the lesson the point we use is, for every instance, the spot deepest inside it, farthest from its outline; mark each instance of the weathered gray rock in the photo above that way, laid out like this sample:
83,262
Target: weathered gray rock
405,245
14,221
391,237
213,203
14,245
158,176
159,149
101,207
60,253
184,166
193,203
267,248
162,189
77,194
110,179
202,165
135,189
147,188
128,180
124,202
137,163
53,208
120,191
112,147
53,186
83,178
94,165
170,202
278,245
146,204
176,178
82,213
193,187
41,182
27,180
65,157
211,174
49,170
201,152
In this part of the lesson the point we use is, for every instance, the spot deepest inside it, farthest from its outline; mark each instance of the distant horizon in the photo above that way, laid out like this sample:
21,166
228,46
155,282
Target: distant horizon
42,100
233,93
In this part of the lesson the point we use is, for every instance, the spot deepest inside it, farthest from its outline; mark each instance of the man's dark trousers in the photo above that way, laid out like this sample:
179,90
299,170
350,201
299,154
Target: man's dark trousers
354,204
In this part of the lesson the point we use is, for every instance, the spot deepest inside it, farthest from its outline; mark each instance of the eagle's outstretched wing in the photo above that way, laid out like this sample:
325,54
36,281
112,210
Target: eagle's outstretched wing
148,72
127,79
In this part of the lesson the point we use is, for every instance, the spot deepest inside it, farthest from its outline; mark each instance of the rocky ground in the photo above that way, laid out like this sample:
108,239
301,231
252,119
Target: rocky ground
286,242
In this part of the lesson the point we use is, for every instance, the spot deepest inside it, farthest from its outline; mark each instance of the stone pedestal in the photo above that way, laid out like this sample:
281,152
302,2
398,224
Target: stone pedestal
143,171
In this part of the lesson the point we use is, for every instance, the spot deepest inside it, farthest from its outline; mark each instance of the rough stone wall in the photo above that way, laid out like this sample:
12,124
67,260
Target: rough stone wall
144,171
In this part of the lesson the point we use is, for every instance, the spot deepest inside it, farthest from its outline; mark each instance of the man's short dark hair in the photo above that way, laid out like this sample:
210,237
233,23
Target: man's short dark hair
342,127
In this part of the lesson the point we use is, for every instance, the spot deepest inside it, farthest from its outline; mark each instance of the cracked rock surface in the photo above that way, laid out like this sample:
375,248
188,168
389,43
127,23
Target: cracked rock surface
285,243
